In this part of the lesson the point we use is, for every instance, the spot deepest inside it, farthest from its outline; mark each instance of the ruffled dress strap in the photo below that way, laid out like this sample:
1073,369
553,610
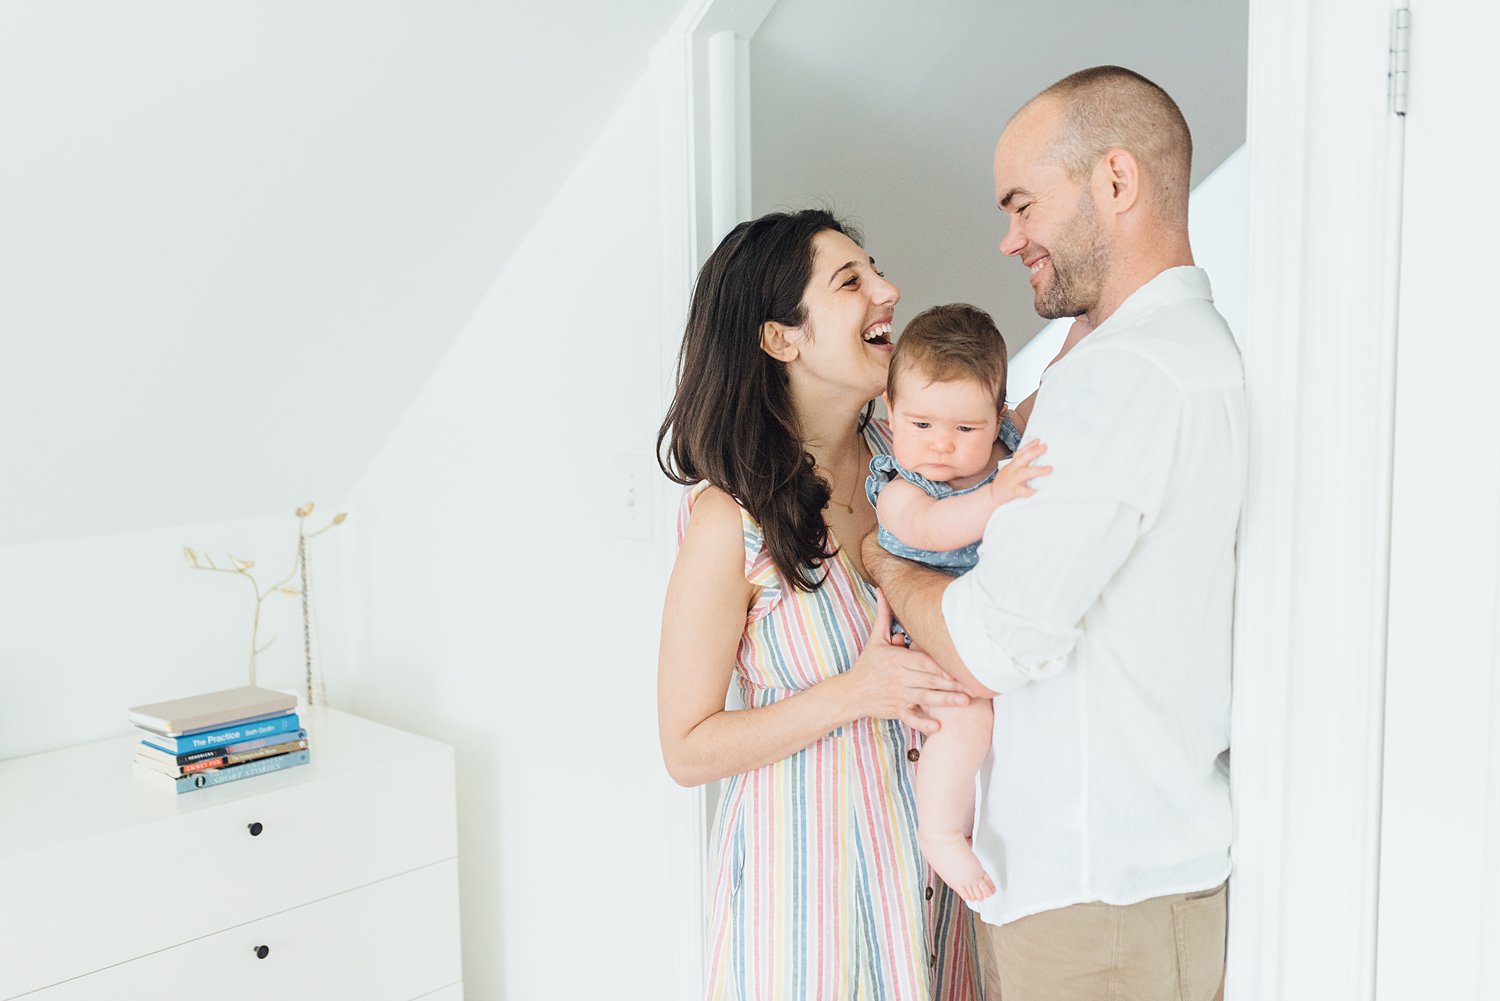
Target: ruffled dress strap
759,568
1009,436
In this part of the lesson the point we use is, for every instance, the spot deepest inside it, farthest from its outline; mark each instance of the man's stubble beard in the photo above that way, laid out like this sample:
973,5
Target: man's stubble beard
1080,262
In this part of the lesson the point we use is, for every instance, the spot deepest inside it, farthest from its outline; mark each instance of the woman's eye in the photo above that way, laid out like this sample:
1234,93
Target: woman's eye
852,282
880,273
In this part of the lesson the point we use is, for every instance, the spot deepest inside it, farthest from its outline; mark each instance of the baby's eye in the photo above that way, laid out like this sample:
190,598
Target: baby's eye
924,425
965,428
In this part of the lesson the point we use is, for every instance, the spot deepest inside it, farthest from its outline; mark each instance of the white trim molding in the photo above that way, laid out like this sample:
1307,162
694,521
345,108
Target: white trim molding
695,147
1319,349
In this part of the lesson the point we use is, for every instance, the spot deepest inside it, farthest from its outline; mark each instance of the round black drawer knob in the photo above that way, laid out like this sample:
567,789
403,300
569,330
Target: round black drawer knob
262,951
255,829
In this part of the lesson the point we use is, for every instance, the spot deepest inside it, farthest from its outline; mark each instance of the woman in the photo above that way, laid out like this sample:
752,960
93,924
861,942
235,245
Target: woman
818,889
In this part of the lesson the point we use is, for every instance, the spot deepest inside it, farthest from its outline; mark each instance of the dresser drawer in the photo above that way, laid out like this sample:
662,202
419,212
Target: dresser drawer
396,940
92,904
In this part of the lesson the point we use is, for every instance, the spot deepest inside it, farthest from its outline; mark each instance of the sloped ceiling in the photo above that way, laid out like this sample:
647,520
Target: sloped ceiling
890,110
235,238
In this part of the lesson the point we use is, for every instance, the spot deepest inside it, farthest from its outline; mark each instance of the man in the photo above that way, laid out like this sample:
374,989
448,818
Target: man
1099,613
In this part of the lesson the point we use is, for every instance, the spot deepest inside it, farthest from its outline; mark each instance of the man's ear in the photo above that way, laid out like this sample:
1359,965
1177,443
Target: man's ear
778,342
1119,180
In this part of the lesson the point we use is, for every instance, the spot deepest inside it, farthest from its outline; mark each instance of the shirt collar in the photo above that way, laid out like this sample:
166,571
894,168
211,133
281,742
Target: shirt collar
1172,285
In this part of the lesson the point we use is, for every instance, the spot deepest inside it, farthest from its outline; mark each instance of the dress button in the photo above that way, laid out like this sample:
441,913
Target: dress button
929,893
913,754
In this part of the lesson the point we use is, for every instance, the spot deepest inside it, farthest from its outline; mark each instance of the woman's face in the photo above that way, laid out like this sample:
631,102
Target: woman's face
845,342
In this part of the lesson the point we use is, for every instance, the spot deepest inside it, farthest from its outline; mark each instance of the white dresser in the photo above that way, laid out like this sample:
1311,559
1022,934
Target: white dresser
337,879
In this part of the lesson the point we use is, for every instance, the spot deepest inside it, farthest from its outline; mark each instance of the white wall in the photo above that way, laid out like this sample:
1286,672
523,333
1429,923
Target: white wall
90,627
238,237
492,607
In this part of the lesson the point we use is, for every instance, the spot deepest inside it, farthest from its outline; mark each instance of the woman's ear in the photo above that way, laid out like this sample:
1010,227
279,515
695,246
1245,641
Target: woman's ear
778,341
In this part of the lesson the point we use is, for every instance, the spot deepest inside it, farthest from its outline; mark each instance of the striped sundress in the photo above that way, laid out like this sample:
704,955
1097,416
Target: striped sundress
817,887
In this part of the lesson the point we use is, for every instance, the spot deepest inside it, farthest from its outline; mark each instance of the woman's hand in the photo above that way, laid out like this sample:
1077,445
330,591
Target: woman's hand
1014,477
891,682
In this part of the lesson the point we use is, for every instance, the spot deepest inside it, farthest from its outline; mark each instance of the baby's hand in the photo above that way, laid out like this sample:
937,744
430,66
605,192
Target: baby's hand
1014,478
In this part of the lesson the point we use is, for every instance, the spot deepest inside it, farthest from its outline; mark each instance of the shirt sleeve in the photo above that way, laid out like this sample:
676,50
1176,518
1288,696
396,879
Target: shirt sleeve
1110,423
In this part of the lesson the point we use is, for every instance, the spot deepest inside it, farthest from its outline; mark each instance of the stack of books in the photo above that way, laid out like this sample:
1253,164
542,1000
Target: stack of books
207,740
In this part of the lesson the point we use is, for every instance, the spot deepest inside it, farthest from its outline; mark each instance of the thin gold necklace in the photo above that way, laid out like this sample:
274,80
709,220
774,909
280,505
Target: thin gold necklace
847,505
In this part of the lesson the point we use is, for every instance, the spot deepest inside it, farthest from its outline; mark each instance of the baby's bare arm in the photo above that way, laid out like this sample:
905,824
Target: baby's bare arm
924,522
941,524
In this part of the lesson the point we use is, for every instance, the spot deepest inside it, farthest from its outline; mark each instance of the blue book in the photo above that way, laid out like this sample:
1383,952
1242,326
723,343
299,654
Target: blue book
235,734
178,760
219,776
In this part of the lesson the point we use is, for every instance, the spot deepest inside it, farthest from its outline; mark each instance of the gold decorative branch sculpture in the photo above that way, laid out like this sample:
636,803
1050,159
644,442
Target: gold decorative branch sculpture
299,569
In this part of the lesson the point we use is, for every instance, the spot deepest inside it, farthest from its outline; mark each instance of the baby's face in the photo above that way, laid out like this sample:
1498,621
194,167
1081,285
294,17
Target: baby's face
943,430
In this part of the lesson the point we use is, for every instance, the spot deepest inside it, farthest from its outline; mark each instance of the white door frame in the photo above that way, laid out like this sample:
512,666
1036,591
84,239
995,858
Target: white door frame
1314,546
1310,627
698,76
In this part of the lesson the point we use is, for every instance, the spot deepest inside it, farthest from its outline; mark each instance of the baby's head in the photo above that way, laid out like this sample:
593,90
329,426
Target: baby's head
946,392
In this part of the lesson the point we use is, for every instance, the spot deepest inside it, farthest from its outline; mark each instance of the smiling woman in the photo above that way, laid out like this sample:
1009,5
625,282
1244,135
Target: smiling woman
817,887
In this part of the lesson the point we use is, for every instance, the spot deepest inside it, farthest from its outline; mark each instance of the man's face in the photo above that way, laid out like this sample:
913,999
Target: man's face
1054,224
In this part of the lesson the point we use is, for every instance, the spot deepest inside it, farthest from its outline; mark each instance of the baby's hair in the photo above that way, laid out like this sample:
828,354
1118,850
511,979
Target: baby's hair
948,343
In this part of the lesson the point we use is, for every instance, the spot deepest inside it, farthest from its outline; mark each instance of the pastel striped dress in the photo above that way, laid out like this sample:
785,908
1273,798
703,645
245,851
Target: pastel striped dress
818,889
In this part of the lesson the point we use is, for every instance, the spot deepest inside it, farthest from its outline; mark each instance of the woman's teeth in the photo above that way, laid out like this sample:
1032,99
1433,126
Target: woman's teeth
878,334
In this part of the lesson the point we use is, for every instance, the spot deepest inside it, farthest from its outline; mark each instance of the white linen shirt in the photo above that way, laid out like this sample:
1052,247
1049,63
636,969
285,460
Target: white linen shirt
1101,610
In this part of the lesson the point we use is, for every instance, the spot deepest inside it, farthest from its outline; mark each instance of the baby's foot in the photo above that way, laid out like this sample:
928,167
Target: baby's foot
956,863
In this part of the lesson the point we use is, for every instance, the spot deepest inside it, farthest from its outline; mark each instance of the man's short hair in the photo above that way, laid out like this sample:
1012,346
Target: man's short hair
948,343
1110,107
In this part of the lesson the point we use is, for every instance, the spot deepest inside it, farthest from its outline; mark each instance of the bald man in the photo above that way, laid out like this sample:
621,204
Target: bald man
1099,614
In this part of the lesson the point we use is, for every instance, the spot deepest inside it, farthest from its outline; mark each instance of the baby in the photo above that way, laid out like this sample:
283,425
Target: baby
934,494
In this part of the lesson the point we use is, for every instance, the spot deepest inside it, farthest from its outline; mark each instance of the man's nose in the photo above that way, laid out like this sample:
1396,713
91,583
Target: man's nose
1014,241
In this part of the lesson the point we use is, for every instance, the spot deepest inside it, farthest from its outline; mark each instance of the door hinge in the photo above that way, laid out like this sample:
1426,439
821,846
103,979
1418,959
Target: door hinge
1400,58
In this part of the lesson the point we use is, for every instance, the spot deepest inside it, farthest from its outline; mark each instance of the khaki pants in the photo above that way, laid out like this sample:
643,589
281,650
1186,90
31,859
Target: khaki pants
1163,949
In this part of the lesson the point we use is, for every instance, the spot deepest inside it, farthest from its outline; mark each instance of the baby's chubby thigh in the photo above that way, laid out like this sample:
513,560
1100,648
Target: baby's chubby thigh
964,732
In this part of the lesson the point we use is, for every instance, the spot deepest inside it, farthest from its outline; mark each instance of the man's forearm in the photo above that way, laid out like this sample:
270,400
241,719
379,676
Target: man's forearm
916,596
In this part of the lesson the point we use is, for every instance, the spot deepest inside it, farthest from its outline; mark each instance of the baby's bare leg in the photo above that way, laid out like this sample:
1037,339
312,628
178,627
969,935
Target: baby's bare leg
945,795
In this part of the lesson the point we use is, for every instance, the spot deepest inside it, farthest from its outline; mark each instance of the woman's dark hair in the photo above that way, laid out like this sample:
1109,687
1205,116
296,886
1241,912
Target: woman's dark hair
731,421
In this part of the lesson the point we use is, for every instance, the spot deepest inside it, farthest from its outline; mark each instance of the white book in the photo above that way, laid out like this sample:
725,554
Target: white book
211,710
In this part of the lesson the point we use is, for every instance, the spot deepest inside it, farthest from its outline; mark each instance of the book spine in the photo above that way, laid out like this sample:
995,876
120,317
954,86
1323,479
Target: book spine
219,738
266,752
250,769
214,753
